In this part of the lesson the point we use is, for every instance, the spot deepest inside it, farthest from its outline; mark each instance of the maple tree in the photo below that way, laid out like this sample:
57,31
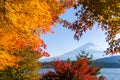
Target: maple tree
82,69
21,24
106,13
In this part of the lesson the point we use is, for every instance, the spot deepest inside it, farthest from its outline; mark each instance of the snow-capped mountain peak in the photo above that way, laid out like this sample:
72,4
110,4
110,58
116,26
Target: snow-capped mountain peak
90,46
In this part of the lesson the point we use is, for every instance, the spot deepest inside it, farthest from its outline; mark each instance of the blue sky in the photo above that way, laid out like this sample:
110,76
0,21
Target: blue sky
62,40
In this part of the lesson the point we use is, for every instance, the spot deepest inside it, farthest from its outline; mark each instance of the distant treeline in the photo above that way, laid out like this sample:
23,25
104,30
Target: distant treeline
97,63
108,64
46,64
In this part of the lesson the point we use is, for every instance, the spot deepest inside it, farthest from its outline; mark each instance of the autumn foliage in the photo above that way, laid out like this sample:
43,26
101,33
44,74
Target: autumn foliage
22,22
25,69
79,70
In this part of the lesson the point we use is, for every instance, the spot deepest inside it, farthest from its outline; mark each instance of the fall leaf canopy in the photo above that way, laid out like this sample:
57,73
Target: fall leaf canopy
21,24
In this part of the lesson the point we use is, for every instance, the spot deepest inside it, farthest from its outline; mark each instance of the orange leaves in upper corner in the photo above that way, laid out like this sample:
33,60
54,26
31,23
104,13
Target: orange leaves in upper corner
23,21
21,24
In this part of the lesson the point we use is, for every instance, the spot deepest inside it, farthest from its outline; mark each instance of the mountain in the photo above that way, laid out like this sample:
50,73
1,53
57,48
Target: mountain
91,48
109,62
115,59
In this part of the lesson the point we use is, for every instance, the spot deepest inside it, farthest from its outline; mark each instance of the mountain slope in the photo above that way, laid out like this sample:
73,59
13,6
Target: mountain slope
109,62
91,48
115,59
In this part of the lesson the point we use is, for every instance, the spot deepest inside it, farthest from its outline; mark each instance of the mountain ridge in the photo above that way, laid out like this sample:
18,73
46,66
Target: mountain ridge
91,48
109,62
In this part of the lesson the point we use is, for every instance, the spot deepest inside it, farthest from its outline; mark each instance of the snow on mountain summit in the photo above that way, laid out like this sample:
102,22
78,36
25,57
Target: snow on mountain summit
90,46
